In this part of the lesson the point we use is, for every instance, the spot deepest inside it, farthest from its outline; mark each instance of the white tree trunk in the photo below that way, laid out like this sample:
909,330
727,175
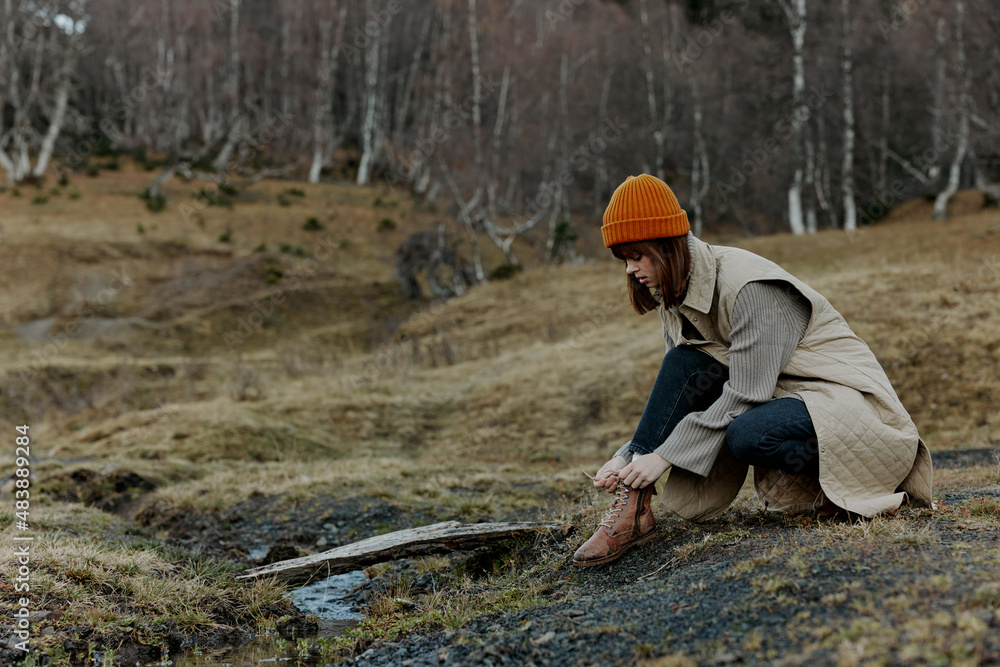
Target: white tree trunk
847,167
477,93
221,161
323,124
937,113
322,99
810,185
796,13
659,136
955,173
6,37
368,131
55,127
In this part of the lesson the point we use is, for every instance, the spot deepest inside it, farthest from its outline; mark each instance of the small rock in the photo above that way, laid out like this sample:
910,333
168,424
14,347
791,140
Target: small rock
544,639
574,613
726,658
321,542
367,654
47,631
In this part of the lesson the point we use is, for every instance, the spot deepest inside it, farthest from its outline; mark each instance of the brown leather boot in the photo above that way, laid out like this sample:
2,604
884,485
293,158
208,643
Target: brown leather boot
629,522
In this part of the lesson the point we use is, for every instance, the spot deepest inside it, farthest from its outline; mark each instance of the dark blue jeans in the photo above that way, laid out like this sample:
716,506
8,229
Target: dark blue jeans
778,434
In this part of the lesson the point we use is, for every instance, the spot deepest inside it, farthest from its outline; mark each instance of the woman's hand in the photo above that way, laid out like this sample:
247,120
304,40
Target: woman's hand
606,477
643,471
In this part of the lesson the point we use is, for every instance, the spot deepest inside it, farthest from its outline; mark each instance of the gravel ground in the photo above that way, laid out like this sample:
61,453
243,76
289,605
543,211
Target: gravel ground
750,588
767,590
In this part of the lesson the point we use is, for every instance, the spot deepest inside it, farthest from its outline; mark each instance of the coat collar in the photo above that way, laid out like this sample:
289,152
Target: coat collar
701,283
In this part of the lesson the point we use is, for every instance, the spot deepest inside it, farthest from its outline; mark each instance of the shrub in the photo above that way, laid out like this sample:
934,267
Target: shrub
140,229
505,271
228,189
289,249
295,192
284,201
64,179
272,273
261,247
215,198
93,170
154,204
39,200
226,236
386,225
313,225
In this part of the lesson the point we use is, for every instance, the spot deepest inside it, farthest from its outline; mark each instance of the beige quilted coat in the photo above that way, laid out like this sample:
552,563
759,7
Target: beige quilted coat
870,456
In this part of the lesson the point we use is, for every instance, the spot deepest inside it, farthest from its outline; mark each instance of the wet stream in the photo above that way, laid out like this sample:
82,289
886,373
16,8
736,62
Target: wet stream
324,598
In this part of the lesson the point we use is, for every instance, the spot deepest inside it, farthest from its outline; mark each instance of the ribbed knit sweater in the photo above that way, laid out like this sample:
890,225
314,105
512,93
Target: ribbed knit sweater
768,322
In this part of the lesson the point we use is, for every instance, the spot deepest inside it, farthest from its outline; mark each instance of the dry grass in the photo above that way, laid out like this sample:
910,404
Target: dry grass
108,585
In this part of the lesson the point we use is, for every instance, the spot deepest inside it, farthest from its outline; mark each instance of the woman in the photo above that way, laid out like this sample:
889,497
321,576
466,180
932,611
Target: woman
760,371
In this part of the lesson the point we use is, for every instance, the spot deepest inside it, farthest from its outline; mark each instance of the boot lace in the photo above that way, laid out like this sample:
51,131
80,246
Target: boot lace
615,511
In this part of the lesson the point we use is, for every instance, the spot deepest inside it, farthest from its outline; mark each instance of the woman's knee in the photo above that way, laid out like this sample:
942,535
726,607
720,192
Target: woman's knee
742,439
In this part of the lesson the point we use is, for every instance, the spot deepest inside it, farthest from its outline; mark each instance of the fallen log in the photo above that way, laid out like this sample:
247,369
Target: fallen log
425,540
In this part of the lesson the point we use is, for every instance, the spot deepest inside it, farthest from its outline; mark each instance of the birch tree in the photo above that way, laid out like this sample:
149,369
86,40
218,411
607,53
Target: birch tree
795,11
369,129
323,122
57,46
962,109
232,88
850,221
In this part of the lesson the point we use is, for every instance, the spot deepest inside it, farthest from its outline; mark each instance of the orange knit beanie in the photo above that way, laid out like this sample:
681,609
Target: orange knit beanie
641,209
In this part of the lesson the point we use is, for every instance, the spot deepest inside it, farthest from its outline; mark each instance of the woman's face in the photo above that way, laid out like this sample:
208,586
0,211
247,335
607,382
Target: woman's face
641,268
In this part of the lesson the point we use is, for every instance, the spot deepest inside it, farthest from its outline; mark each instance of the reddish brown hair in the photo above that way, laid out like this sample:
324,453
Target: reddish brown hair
672,263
